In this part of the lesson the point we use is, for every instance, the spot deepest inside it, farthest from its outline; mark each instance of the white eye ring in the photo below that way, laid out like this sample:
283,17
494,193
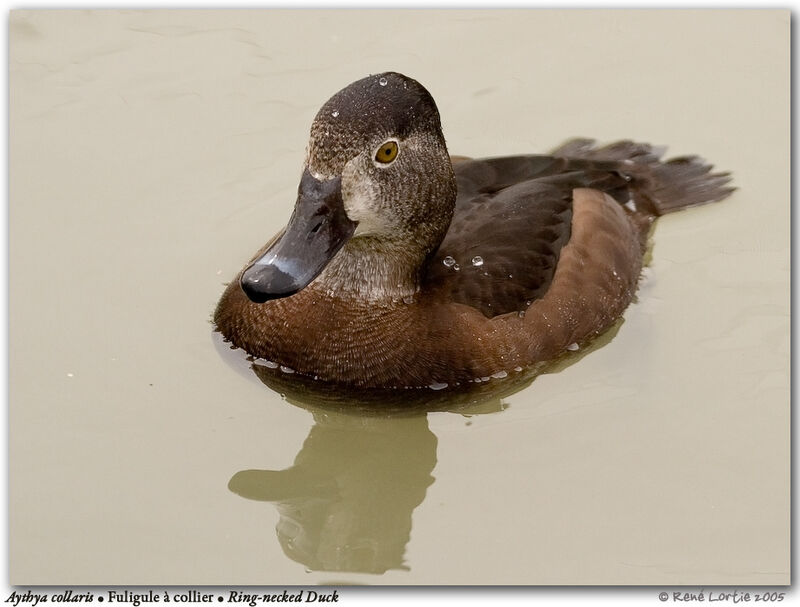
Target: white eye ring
386,153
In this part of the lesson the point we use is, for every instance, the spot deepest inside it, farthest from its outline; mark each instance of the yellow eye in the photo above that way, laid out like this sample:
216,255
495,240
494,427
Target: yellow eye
387,152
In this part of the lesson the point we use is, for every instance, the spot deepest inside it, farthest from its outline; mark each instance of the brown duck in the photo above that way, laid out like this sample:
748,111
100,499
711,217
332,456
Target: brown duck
401,268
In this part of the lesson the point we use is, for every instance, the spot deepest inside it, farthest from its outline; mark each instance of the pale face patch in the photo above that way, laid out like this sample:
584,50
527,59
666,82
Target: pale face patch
359,196
369,194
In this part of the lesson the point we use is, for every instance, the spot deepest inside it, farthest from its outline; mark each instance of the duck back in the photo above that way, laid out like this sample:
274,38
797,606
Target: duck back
514,215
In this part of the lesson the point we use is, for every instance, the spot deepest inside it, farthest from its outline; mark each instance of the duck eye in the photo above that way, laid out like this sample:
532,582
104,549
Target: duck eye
387,152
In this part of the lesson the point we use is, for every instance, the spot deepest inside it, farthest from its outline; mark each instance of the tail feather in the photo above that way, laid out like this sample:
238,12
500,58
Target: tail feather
686,182
657,187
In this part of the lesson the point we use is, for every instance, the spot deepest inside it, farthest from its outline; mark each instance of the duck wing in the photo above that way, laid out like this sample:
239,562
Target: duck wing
512,217
502,247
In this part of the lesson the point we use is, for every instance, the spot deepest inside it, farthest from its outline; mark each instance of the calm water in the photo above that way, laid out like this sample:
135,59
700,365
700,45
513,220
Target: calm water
151,153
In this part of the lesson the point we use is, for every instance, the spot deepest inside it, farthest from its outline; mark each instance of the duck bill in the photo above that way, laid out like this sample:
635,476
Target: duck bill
319,227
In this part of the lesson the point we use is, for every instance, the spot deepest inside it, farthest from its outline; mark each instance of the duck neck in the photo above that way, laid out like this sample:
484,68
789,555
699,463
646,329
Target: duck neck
372,269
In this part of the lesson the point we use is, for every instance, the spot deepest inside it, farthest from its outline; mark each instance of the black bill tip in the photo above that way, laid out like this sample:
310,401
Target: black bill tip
265,282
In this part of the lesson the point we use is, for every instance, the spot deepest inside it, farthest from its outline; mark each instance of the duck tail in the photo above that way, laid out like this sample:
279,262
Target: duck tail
685,182
660,186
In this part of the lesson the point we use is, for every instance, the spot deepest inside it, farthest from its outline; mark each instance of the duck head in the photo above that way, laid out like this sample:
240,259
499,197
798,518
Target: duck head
375,199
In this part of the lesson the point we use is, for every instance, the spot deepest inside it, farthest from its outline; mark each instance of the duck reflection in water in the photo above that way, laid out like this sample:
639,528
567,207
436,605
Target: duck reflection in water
347,502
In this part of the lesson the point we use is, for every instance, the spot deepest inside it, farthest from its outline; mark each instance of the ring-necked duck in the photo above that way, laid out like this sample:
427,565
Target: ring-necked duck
400,268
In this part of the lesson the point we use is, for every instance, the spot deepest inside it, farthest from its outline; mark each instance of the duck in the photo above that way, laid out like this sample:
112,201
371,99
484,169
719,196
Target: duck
403,267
